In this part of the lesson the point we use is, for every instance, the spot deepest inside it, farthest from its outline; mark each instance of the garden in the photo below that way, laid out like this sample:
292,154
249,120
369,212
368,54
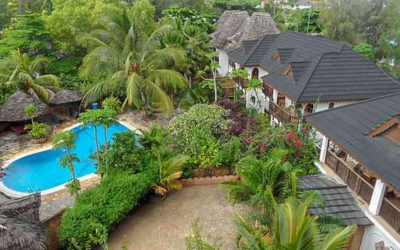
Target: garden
152,59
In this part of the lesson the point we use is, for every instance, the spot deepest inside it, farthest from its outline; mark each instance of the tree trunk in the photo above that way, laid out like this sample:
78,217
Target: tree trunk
32,120
215,85
97,146
106,145
71,165
145,103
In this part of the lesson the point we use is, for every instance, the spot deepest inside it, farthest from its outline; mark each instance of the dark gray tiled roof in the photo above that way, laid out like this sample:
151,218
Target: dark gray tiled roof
338,199
323,70
348,126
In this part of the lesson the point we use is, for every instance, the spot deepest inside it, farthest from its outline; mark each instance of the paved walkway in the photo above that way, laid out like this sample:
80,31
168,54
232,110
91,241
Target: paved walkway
163,225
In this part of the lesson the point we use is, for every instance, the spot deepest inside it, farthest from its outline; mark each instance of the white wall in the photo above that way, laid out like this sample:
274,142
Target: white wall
223,61
372,235
323,106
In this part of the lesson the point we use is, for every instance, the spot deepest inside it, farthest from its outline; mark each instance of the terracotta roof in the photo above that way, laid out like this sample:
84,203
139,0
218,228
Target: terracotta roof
64,96
235,26
349,127
323,69
14,109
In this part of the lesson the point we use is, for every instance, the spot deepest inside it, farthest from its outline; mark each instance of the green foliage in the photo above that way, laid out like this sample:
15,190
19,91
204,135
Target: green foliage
64,140
292,228
259,178
304,21
194,240
186,14
388,30
67,21
73,186
126,154
367,50
231,151
26,33
393,70
97,210
248,5
112,103
298,143
5,93
143,15
22,72
65,66
38,130
169,172
130,59
30,111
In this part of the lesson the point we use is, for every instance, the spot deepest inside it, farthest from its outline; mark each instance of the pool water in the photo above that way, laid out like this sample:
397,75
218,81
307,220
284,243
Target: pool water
42,171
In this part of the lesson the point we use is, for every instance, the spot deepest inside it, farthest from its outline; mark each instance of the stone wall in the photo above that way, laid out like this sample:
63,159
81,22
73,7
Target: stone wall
208,180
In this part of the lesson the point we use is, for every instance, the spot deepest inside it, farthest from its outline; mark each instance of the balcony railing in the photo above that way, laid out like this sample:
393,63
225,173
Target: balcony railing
389,211
353,179
284,115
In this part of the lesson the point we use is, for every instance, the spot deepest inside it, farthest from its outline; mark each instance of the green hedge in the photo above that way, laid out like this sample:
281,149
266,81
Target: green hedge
97,210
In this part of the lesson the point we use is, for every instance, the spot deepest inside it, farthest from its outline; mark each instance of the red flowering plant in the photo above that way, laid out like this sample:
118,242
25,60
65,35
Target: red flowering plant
298,143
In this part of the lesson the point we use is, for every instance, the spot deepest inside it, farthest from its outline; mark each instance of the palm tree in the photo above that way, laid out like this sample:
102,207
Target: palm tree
292,228
128,58
170,170
194,41
258,177
108,117
23,73
30,111
66,140
95,118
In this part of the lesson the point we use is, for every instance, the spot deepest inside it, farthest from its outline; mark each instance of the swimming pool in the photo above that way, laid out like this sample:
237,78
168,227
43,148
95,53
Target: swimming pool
41,171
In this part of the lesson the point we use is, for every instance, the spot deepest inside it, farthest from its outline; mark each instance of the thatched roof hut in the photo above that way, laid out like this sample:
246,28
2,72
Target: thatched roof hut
14,109
235,26
64,96
20,226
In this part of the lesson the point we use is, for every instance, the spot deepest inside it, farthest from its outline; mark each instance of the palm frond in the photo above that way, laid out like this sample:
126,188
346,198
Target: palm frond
48,80
338,239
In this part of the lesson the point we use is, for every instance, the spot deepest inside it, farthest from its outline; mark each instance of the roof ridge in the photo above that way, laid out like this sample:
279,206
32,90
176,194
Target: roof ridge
353,104
254,48
311,74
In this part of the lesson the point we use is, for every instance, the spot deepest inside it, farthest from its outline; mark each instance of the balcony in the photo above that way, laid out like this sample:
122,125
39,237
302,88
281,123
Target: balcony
282,114
357,182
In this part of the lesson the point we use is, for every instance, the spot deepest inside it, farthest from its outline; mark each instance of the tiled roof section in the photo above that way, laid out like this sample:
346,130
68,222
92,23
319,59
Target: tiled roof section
349,126
338,200
323,70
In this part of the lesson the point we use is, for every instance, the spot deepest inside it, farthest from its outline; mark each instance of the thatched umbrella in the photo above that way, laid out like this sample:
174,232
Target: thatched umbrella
64,96
14,109
20,227
236,26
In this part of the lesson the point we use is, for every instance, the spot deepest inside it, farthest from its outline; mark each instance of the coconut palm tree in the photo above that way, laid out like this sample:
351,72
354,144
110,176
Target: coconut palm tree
127,58
93,117
292,228
24,73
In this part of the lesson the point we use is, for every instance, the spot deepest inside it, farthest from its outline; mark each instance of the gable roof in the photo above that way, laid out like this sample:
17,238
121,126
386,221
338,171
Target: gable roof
236,26
349,127
338,200
323,69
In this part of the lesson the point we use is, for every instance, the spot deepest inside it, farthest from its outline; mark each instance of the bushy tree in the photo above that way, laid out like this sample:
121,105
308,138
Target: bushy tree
71,18
26,33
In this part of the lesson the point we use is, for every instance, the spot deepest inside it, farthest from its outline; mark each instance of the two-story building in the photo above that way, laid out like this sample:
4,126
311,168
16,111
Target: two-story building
235,26
303,74
361,148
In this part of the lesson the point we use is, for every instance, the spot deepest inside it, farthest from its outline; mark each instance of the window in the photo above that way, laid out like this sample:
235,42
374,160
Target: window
281,100
254,73
309,109
331,105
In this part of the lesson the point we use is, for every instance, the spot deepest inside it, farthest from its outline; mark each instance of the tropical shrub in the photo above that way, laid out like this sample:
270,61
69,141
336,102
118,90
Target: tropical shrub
240,120
95,211
298,143
207,117
38,130
259,178
125,154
